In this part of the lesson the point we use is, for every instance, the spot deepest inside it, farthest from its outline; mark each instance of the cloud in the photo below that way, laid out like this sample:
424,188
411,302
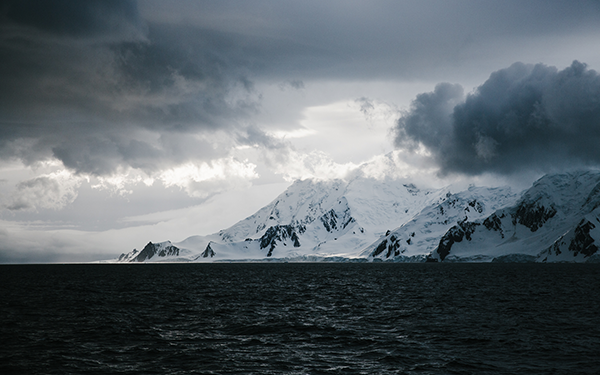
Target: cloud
207,179
51,191
294,84
94,86
429,121
524,117
72,17
376,111
100,85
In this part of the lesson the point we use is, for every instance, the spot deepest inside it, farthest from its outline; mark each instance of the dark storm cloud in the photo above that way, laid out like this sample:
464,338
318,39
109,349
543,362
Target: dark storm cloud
378,39
89,83
522,117
101,84
73,17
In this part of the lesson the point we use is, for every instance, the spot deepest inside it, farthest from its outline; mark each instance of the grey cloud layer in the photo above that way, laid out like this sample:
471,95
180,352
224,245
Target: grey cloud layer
378,39
108,84
72,17
92,85
522,117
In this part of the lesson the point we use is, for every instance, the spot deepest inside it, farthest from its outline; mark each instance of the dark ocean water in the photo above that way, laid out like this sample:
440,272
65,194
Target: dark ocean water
300,319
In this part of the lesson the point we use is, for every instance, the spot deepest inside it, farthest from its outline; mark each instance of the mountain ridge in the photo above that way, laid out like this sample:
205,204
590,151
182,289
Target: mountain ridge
554,221
368,219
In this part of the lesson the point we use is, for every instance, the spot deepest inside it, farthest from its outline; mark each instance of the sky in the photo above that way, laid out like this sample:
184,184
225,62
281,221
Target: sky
123,122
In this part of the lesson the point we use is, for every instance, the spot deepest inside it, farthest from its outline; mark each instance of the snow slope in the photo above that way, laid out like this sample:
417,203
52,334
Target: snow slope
420,236
557,219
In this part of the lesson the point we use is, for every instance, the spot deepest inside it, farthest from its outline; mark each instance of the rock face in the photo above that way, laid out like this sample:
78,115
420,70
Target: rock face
555,220
462,230
208,252
278,234
579,240
159,250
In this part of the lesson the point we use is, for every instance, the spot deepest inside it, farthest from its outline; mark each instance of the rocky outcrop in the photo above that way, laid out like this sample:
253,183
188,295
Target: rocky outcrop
457,233
331,221
208,252
582,241
533,215
278,234
494,222
163,249
577,241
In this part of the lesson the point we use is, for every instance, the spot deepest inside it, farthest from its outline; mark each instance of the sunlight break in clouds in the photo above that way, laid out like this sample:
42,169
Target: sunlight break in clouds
204,179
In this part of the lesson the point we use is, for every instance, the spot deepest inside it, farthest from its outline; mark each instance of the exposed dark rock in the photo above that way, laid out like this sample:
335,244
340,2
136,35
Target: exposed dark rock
208,252
582,241
380,248
279,233
555,247
593,198
129,257
533,215
147,252
411,188
391,244
476,205
150,250
457,233
331,220
493,222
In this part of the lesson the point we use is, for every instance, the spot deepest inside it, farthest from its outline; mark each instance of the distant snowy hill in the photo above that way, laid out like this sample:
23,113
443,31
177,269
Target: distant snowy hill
365,219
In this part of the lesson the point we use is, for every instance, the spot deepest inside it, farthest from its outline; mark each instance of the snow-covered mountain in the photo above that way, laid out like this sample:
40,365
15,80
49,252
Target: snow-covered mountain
556,220
416,239
367,219
155,252
313,218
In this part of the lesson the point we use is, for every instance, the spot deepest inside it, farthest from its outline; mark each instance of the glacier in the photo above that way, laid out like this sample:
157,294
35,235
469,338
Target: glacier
366,219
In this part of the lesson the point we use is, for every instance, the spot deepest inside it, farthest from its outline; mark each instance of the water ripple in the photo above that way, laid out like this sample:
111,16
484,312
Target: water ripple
300,319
